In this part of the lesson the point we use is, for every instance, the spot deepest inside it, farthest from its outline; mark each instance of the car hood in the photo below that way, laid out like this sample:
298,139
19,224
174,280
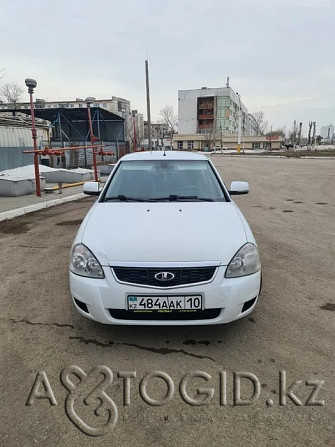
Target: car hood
163,232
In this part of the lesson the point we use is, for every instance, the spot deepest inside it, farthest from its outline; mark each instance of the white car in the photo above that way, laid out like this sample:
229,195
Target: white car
164,244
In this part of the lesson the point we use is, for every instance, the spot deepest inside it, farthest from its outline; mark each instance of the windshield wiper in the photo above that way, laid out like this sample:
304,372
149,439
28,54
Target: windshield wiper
177,198
123,198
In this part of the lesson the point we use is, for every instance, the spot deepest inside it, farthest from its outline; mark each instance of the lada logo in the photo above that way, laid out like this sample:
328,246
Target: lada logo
164,276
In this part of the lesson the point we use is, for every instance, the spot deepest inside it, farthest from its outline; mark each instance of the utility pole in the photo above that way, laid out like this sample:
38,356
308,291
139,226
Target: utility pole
294,132
239,126
148,102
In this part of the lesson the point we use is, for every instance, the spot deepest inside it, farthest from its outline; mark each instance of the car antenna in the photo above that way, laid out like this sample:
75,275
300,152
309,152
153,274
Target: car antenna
164,155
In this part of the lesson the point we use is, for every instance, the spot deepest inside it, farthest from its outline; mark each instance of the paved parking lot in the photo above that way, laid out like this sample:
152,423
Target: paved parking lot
291,210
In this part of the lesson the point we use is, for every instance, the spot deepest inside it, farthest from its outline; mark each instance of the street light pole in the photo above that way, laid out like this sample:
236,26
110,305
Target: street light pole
31,84
89,101
148,102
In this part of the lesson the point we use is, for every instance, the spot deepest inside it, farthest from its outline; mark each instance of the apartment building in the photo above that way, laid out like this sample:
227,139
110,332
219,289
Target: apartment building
209,110
209,118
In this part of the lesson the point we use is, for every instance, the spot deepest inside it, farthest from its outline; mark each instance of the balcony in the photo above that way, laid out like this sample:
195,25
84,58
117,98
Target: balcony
208,116
207,126
206,105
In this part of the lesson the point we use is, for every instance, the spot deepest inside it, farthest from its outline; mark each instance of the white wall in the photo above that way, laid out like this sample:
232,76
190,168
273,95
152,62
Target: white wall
20,136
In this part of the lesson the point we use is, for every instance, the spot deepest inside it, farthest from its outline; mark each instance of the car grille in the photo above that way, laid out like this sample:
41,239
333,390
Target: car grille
206,314
146,276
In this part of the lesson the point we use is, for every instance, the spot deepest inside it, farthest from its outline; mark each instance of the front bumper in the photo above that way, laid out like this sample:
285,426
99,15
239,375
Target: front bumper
227,294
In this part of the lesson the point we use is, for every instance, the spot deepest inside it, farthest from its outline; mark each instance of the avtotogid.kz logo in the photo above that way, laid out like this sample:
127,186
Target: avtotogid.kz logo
82,394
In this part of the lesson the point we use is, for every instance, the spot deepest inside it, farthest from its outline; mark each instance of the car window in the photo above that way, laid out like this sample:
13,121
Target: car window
165,180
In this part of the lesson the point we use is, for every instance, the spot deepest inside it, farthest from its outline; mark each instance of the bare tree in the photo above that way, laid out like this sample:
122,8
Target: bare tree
211,138
279,131
12,92
262,124
169,119
2,73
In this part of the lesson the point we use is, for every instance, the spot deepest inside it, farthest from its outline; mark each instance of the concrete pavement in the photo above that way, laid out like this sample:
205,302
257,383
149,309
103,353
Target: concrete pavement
291,210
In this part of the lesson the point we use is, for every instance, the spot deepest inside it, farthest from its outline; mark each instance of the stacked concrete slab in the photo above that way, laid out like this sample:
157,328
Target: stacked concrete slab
21,181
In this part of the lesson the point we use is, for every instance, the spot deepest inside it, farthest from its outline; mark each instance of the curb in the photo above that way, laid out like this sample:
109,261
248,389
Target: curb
39,206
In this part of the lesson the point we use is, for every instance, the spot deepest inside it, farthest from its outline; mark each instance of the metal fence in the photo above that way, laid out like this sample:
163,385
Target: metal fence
13,157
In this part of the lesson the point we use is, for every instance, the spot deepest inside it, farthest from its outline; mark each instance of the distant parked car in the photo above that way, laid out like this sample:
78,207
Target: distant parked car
165,245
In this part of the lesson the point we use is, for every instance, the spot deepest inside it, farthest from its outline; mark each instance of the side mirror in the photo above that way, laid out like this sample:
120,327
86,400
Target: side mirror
91,188
239,188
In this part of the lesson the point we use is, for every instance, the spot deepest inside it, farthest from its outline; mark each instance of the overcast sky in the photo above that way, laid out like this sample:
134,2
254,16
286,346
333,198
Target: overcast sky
275,51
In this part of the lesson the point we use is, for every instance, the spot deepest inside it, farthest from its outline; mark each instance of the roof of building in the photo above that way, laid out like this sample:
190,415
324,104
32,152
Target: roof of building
18,121
77,113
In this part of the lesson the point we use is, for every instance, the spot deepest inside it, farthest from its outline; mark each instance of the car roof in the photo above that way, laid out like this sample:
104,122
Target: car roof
159,155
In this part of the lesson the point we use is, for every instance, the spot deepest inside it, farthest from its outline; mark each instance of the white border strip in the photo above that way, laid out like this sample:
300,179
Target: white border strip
39,206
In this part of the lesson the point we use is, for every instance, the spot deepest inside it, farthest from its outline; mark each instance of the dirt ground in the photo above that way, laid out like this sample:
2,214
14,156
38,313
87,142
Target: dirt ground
291,210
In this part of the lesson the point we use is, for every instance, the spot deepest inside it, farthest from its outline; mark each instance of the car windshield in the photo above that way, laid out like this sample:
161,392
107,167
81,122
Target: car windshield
168,180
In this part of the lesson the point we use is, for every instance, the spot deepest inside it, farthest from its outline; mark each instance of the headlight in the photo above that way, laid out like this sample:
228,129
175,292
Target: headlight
84,263
245,262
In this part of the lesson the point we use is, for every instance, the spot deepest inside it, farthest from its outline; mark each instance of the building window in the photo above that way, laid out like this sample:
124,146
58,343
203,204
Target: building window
104,105
256,145
190,145
180,145
80,106
72,106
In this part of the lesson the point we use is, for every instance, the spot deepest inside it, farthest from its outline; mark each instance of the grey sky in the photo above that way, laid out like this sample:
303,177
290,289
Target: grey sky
275,51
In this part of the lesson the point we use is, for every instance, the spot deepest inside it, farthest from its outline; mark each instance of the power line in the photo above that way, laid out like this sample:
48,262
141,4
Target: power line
293,102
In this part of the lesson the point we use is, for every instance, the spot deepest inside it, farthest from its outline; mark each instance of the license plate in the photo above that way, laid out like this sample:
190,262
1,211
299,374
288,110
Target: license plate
164,303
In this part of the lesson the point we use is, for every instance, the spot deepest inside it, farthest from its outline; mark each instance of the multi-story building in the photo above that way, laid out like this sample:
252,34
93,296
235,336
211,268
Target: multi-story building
160,135
327,133
208,110
136,129
158,130
209,118
252,126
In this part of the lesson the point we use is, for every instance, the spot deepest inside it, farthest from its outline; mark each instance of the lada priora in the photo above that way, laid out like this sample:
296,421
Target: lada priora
164,244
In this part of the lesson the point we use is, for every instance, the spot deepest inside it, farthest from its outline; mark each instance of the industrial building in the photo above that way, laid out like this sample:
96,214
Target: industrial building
116,105
66,127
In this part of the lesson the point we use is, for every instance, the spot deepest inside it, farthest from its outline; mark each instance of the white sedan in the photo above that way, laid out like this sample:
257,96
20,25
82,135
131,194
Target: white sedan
164,244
